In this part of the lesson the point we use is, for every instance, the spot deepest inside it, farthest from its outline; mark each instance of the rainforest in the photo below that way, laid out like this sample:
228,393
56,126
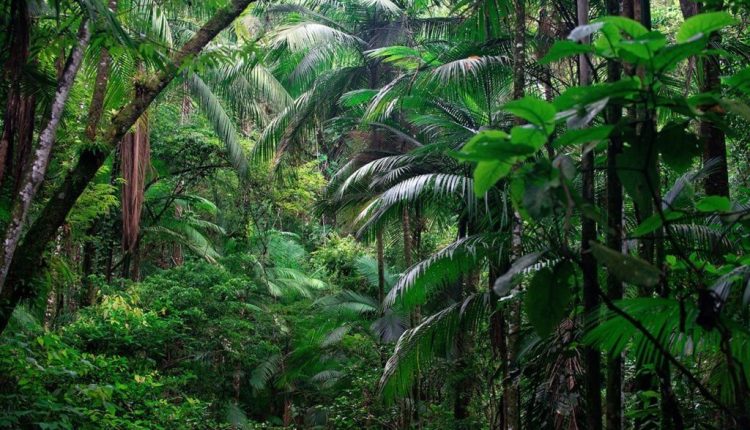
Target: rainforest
375,214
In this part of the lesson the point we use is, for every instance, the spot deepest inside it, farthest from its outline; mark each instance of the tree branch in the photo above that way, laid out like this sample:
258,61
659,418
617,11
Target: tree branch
26,261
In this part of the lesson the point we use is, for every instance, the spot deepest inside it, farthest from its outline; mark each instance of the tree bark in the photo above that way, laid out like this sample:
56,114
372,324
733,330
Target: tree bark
381,265
18,122
592,357
511,388
26,261
714,141
95,111
613,408
34,176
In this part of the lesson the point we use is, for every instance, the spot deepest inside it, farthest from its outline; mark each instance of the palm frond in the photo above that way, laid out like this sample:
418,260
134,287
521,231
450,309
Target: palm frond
442,268
432,338
220,120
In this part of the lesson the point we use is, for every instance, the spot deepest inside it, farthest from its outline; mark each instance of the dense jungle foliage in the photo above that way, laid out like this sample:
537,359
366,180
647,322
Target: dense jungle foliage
354,214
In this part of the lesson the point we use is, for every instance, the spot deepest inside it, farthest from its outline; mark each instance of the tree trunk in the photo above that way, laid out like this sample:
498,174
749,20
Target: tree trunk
714,142
18,122
464,383
591,356
34,176
95,111
25,262
511,381
614,403
381,265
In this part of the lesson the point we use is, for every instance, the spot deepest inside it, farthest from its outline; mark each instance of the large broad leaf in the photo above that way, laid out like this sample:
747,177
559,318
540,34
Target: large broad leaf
631,27
535,111
485,145
646,46
740,80
714,204
565,48
672,55
548,298
583,31
655,221
504,283
495,153
701,25
584,135
527,137
575,99
636,168
487,173
627,268
678,146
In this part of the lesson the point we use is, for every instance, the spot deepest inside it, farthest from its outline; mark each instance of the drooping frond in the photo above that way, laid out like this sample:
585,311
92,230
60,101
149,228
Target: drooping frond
442,268
431,339
439,186
375,167
675,326
263,373
308,34
349,301
367,267
186,235
290,127
220,120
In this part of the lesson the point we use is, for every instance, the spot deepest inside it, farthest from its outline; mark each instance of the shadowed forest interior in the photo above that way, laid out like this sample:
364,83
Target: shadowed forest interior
375,214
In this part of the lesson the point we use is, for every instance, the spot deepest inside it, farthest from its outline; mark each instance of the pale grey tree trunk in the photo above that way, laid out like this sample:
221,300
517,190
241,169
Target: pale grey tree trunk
34,174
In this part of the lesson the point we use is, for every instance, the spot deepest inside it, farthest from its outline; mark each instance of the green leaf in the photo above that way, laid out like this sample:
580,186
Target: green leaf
646,46
672,55
654,222
583,31
714,204
548,298
702,25
526,137
487,144
626,267
678,146
565,48
509,279
357,97
737,107
584,135
740,80
487,173
629,26
493,145
535,111
637,171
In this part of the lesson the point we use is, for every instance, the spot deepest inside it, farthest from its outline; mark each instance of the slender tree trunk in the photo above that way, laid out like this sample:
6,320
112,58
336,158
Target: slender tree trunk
463,385
592,357
714,141
34,176
135,270
414,315
178,258
511,381
18,122
511,386
95,111
381,265
53,214
614,403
